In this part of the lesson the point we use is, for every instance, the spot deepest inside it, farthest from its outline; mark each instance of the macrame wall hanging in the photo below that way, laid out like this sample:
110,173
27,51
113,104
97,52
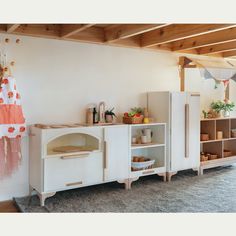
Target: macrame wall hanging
12,122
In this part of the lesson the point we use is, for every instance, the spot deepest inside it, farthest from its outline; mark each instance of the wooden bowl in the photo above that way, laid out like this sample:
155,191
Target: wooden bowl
204,137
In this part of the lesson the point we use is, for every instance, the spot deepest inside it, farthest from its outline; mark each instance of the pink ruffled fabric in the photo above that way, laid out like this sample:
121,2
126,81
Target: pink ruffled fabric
10,156
12,127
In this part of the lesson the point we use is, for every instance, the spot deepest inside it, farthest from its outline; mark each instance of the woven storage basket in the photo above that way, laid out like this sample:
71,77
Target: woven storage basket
142,165
227,153
133,120
212,156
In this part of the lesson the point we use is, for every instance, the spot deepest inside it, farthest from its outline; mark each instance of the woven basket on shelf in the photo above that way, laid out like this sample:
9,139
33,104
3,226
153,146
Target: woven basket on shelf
227,153
213,156
133,120
233,133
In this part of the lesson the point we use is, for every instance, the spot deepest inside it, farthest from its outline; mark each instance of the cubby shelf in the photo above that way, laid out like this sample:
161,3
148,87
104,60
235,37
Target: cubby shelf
212,141
217,146
155,150
139,146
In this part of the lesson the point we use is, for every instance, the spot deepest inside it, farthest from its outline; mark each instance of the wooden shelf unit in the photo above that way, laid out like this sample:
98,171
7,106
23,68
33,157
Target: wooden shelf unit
217,146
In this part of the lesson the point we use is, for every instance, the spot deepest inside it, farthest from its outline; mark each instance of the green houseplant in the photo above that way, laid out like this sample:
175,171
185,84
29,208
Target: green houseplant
109,115
217,106
226,106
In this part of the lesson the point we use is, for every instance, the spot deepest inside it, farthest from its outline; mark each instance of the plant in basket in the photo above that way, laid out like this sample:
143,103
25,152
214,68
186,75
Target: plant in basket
135,116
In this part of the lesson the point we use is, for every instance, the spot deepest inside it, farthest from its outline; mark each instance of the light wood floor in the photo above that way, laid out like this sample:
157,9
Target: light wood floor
8,207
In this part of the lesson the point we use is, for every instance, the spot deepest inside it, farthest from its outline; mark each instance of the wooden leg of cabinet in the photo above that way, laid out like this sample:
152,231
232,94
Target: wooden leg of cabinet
131,181
197,169
170,174
126,182
44,196
163,175
200,171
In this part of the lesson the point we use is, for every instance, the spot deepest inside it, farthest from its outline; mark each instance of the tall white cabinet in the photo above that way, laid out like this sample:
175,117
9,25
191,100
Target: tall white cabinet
181,112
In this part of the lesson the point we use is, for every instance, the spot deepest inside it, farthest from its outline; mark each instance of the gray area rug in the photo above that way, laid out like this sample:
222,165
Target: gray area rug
215,191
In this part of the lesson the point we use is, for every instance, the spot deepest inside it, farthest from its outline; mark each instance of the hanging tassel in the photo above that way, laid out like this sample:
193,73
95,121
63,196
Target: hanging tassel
5,149
19,155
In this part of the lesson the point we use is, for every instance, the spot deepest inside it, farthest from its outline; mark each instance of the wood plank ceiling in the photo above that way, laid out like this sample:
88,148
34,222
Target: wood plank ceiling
199,39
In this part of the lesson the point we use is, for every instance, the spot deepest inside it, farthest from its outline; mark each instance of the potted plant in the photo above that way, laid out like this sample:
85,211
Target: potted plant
109,114
217,107
228,107
225,106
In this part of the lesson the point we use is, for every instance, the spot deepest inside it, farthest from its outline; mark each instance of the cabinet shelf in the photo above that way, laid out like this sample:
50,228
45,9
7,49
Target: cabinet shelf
148,145
218,162
218,140
212,141
151,171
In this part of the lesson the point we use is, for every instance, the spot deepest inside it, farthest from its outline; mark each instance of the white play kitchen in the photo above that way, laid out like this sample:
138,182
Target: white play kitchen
65,157
161,139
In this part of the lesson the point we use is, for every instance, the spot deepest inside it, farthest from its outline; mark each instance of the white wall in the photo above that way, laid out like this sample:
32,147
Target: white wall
57,79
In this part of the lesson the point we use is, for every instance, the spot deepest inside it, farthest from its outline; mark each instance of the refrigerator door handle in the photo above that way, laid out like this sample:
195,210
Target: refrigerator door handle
186,130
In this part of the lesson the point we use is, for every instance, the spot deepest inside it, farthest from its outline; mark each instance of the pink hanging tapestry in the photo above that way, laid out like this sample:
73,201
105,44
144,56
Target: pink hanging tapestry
12,126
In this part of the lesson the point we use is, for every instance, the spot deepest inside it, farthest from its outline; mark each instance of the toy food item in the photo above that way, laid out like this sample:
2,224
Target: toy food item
135,159
141,159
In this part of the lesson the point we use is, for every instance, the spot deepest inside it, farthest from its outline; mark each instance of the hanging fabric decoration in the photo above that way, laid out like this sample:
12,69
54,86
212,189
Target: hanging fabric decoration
12,125
221,71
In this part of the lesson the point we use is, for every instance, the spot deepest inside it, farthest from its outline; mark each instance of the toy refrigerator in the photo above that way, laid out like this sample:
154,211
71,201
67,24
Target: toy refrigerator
181,112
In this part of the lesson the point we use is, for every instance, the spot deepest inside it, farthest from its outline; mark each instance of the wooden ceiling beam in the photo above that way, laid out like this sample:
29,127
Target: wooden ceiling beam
68,30
91,34
221,36
39,30
175,32
221,47
3,28
133,42
12,27
229,54
122,31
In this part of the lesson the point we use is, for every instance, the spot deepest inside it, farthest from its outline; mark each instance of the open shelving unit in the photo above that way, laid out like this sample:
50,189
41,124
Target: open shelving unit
156,150
217,146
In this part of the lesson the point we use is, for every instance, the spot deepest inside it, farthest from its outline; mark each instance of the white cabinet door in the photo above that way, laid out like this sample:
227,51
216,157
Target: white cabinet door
185,131
61,173
116,139
177,160
194,130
